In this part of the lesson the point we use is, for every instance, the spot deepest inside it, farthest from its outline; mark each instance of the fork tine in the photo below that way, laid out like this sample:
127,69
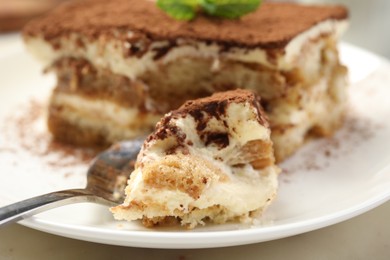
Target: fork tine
110,170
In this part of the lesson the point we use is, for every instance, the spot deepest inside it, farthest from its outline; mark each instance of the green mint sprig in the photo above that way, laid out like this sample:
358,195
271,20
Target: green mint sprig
187,9
179,9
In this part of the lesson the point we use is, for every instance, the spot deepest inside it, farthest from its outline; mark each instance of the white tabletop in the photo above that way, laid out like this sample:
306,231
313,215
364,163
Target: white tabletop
364,237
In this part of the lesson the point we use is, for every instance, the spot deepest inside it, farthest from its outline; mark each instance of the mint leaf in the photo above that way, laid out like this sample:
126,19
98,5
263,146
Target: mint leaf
179,9
187,9
229,8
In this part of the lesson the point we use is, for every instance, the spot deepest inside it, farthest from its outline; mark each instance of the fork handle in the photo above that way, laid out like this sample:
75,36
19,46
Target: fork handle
29,207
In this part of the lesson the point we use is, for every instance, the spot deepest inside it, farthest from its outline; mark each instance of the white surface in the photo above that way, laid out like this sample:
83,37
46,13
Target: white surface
369,22
315,191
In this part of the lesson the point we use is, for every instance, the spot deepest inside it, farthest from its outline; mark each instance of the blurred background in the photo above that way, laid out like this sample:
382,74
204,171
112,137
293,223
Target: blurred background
369,28
15,13
369,23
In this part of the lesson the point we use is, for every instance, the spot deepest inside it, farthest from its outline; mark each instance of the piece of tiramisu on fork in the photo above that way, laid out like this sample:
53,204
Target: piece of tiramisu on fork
210,160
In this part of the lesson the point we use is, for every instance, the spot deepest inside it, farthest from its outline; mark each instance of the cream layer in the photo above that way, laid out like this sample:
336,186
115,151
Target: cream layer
124,122
112,54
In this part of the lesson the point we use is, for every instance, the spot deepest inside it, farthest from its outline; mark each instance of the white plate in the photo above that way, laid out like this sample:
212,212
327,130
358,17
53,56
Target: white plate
328,181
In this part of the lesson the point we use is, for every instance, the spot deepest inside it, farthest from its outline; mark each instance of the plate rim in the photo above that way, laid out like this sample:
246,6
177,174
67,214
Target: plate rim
203,239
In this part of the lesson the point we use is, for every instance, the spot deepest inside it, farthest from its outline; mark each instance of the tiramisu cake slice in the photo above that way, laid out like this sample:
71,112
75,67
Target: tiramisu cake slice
211,159
122,64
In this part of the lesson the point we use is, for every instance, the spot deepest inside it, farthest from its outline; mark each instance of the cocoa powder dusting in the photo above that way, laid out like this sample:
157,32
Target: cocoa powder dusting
271,26
25,132
355,131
